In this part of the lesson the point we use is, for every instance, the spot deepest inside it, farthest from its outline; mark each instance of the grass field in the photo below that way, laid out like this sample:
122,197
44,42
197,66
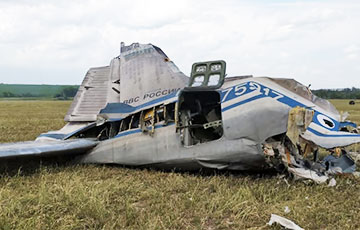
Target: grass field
109,197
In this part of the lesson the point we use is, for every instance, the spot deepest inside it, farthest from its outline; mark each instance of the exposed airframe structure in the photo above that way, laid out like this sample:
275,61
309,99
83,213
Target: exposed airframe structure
141,110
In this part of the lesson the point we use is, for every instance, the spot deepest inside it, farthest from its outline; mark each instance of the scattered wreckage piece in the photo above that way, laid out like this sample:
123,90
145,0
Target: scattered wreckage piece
141,110
288,224
353,102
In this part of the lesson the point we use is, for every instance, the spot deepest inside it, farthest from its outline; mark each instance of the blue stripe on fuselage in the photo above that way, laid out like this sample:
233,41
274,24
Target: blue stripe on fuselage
125,108
317,133
239,90
138,130
242,89
235,91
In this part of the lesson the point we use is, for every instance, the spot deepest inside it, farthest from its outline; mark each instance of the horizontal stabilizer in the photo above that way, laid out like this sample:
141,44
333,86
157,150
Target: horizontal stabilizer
46,148
91,96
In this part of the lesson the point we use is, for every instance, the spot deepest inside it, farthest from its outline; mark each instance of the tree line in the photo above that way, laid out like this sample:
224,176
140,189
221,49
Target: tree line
347,93
65,93
70,91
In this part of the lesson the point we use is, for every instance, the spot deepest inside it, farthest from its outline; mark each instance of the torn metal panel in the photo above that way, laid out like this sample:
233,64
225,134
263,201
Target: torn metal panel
328,138
64,132
298,121
308,174
295,150
337,165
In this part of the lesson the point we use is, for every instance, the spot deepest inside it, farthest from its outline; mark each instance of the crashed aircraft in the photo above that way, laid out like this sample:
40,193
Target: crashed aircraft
141,110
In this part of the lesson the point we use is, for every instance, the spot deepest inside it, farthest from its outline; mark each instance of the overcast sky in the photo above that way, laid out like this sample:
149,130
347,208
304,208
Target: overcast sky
55,42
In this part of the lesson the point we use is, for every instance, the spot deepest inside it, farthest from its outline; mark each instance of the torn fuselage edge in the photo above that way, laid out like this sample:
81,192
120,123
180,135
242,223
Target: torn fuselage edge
308,131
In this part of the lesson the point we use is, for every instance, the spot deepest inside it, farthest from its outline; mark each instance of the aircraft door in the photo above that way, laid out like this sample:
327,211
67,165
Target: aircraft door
199,117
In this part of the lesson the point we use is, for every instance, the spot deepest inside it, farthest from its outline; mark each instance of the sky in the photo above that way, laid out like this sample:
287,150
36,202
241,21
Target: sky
316,42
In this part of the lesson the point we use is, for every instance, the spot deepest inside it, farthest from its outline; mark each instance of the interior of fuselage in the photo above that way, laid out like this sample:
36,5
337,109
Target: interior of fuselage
146,120
199,114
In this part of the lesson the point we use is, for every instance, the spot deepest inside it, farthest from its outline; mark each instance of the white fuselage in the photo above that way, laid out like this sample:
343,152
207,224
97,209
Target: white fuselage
252,109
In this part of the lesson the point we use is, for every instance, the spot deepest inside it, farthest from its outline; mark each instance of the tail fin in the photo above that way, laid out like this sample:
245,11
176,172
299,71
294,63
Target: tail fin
140,74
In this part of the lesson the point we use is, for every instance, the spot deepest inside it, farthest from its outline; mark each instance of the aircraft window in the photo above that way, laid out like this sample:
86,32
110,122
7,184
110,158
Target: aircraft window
214,79
154,115
135,121
121,125
130,122
169,113
201,69
125,124
160,114
198,81
104,134
145,119
114,129
100,132
215,67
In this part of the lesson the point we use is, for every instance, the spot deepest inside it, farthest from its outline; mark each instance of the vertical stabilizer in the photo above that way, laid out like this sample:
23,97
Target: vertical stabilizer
146,73
141,73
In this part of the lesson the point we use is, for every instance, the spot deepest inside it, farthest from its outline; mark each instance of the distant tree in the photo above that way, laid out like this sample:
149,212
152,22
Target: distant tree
70,91
27,95
8,94
347,93
67,92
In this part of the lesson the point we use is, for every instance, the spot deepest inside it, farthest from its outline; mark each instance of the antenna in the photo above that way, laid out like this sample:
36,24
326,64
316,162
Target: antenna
122,44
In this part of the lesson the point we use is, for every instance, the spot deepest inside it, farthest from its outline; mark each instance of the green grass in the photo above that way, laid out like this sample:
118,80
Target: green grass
25,120
353,110
112,197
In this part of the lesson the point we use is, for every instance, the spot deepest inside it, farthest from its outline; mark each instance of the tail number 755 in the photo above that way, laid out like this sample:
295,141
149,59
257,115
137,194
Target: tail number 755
249,87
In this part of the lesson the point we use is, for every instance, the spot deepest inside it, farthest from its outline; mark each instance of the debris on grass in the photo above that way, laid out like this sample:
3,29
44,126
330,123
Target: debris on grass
332,182
288,224
287,209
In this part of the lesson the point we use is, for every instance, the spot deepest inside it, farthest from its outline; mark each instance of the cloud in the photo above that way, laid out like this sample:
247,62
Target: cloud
312,41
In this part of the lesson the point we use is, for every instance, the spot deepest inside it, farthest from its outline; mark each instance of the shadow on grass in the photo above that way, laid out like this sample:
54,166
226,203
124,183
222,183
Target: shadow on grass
204,172
31,165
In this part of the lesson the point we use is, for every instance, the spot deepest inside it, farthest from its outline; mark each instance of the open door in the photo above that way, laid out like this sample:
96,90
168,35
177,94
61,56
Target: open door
199,114
199,108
